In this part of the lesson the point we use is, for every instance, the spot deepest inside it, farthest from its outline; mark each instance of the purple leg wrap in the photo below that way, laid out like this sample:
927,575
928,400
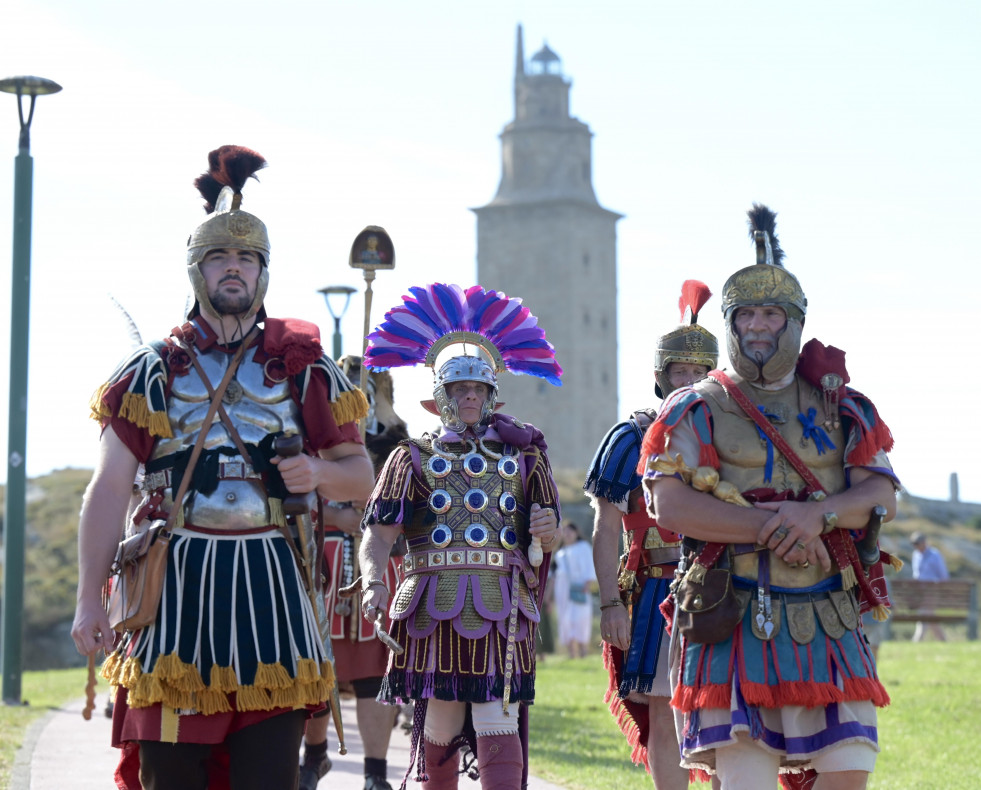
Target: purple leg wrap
500,762
443,776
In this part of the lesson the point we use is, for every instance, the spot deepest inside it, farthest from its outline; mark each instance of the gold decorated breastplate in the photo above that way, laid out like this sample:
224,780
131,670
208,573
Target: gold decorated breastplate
476,509
475,515
743,459
743,453
239,502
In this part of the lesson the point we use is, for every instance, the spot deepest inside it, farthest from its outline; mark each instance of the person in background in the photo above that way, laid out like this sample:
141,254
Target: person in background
632,587
928,566
575,581
359,656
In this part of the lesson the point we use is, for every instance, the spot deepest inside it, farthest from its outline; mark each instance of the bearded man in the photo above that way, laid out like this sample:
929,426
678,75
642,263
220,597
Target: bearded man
772,475
234,655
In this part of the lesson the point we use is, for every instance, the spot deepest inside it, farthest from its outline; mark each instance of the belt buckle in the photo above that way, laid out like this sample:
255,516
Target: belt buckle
233,469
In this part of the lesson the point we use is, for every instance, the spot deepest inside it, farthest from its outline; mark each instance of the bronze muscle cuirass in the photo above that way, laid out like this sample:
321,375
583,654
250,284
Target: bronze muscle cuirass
240,501
743,456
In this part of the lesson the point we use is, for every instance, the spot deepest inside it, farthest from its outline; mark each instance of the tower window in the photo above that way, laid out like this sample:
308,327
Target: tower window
585,261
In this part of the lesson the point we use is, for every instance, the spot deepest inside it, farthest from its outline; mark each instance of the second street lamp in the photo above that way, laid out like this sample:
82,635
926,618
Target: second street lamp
341,294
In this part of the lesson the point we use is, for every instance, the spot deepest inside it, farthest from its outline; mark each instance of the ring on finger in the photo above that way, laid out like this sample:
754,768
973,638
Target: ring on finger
781,532
800,545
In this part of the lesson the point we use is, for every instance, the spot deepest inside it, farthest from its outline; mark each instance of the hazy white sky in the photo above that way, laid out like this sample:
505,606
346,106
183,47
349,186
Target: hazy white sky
858,122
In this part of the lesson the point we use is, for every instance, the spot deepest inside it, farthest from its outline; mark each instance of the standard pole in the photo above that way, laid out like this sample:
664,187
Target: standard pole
369,276
14,510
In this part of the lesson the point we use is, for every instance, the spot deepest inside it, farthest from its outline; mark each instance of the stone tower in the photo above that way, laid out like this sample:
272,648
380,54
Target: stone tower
545,238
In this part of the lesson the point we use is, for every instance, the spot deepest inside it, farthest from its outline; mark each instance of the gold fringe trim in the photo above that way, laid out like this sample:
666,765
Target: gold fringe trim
98,410
133,409
349,406
880,613
848,578
178,685
696,573
276,514
896,563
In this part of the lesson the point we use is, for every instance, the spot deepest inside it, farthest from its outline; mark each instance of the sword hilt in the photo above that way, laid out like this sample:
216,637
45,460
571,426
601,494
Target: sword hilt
868,546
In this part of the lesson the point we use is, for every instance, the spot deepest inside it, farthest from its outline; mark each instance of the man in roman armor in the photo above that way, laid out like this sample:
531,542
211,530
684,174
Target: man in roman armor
233,661
773,475
360,657
477,505
635,648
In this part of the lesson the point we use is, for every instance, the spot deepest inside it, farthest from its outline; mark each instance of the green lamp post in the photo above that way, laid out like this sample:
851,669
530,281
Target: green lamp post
20,297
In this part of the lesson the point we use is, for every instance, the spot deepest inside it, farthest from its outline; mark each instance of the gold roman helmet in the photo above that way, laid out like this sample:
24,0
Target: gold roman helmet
689,343
227,226
765,283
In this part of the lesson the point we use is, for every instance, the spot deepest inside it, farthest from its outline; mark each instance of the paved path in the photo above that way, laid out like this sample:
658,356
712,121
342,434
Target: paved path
62,751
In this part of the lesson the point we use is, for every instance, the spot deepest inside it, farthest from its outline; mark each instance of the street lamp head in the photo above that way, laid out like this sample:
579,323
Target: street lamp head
344,291
29,86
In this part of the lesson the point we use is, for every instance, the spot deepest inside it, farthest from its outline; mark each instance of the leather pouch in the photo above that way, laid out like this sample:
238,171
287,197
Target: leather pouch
136,581
709,612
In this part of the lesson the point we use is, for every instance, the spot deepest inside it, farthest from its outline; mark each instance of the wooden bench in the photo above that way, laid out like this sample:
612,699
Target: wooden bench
952,601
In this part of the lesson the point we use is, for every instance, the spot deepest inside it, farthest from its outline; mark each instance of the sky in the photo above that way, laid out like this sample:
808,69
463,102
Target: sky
858,122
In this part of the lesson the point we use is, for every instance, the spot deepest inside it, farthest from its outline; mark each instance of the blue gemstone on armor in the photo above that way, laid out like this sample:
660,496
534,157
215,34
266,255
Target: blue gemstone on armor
439,467
476,535
441,536
475,500
509,538
507,467
440,501
475,465
507,503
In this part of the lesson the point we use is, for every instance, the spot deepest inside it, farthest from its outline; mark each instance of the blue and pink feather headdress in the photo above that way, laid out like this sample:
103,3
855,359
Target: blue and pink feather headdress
435,316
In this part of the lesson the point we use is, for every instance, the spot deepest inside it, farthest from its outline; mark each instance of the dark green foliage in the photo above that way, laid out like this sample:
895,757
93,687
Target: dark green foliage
51,547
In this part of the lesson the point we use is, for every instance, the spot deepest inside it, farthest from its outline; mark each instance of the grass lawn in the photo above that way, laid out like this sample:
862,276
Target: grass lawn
41,692
927,733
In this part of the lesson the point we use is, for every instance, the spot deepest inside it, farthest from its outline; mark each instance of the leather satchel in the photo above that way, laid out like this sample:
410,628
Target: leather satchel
137,574
708,612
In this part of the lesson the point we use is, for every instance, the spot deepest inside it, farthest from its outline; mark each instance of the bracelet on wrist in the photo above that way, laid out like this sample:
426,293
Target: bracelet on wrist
611,603
373,583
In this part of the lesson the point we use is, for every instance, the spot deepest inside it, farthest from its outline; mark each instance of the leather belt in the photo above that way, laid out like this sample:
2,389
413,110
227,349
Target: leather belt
661,556
227,470
463,558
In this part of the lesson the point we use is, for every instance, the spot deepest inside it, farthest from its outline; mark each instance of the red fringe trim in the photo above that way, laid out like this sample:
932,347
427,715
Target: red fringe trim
624,717
807,694
879,438
714,695
654,442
